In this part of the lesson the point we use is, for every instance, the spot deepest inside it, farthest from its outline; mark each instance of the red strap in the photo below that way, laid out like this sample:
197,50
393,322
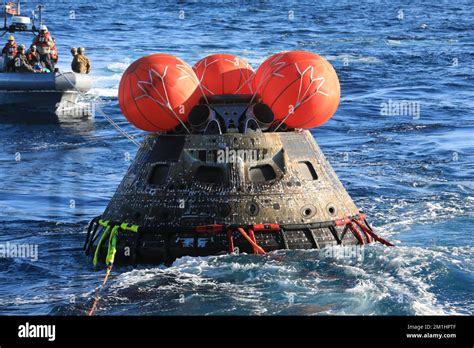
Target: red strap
245,235
252,236
356,232
367,236
376,237
266,227
343,221
230,239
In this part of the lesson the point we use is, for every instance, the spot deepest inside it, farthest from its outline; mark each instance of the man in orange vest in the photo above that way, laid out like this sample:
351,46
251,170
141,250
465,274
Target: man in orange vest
33,56
46,47
9,51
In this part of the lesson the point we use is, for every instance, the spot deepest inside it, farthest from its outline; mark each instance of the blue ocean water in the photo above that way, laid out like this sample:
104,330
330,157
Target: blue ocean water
411,173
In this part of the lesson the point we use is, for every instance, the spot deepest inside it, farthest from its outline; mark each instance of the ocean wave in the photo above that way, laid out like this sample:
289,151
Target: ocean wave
118,66
400,280
103,92
106,78
349,58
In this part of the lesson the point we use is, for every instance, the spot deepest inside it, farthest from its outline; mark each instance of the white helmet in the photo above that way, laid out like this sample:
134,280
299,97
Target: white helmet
43,27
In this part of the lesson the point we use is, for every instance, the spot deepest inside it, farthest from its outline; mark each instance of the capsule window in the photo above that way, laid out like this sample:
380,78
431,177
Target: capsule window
210,175
159,174
262,173
306,171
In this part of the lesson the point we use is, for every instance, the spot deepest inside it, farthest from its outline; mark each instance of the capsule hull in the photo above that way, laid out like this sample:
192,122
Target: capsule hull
198,195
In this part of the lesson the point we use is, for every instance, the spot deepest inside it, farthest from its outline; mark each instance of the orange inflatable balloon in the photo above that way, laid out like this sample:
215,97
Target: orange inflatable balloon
157,92
301,88
273,64
224,74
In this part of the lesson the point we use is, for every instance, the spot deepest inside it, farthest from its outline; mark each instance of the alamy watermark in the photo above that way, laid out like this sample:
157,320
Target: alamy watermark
75,110
22,251
345,252
240,155
28,330
401,108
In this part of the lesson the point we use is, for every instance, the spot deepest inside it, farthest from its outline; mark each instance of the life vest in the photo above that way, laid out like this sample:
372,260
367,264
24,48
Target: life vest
43,40
11,8
44,43
54,52
11,50
32,58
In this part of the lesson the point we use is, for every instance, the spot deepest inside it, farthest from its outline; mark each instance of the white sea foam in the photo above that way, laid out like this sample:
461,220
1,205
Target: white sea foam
103,92
118,66
349,58
389,280
106,78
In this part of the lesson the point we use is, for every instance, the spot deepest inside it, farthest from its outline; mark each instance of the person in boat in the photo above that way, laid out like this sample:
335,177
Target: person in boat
33,56
20,63
11,8
46,47
73,54
54,54
9,51
80,63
